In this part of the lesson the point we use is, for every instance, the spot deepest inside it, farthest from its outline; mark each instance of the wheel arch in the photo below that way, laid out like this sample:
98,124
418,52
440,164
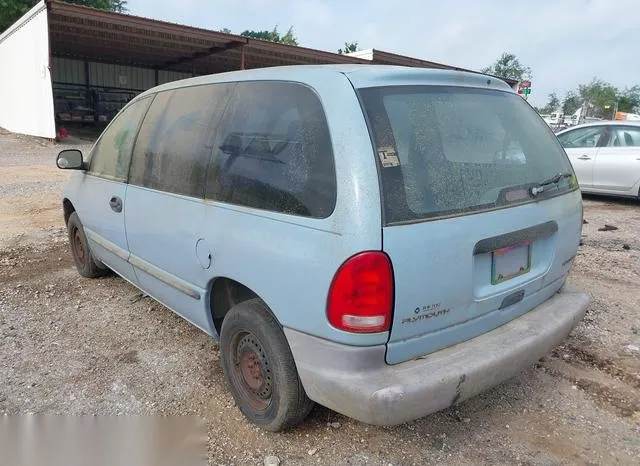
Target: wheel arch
68,208
226,293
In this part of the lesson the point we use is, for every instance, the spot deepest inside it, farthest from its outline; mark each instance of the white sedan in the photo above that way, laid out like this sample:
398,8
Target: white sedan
605,156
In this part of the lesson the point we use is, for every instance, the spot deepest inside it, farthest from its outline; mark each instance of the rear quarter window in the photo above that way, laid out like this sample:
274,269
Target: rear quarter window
273,151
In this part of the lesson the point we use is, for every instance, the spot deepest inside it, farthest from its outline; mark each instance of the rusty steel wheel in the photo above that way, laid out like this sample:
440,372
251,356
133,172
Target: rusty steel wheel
260,369
85,263
251,370
78,247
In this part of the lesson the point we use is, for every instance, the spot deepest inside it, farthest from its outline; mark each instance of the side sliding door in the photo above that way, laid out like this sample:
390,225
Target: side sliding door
166,221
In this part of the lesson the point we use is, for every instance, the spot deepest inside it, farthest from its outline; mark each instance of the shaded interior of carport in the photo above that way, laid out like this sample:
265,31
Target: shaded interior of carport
100,60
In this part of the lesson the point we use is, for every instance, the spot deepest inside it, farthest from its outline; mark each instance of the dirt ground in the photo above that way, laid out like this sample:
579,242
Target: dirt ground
69,345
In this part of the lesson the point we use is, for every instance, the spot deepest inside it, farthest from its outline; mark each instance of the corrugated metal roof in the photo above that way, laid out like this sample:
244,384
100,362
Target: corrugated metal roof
88,33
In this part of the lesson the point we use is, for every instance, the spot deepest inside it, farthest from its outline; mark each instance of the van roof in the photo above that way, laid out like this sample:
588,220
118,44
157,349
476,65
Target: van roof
360,76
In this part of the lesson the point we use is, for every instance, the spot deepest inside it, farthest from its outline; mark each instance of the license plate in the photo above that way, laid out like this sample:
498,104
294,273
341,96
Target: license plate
510,262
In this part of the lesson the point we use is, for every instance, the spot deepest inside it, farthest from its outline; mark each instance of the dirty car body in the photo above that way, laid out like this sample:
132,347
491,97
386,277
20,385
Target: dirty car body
404,234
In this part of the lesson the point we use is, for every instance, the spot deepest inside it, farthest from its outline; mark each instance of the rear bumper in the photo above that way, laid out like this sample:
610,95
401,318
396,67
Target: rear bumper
356,381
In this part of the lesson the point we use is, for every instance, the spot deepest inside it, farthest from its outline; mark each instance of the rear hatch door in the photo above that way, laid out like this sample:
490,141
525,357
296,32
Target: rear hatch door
481,209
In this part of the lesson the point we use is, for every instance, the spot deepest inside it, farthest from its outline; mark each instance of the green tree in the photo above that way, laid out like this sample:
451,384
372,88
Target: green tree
289,38
111,5
552,104
12,10
226,30
571,103
349,47
508,66
273,36
601,97
629,100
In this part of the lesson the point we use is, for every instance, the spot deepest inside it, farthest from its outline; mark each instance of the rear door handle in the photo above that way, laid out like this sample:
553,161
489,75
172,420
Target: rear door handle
584,157
116,204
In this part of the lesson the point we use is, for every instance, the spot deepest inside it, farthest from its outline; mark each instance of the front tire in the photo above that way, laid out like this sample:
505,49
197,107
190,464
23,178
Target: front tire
260,369
86,264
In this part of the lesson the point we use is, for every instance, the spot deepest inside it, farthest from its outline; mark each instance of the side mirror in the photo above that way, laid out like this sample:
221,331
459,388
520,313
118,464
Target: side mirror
70,159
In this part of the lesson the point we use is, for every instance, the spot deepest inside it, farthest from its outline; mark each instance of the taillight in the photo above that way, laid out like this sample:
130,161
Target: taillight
361,294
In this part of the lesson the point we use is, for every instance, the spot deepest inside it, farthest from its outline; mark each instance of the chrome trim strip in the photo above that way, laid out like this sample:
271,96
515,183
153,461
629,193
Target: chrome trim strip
108,245
164,277
143,265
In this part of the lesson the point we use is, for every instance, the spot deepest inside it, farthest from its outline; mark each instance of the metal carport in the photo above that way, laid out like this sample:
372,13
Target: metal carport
99,60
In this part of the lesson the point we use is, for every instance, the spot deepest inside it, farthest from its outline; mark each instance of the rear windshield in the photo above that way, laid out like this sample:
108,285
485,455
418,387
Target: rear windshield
448,150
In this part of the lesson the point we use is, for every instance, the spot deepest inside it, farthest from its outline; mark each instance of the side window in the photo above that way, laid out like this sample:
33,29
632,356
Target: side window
273,151
582,137
626,136
111,155
174,145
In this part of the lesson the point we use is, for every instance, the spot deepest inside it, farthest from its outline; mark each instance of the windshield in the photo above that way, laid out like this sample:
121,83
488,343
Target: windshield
451,150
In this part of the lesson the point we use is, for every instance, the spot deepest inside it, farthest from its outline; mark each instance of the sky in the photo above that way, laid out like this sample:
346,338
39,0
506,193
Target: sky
564,42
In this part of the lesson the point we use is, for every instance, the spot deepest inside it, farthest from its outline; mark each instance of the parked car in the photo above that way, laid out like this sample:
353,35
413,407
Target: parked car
605,156
384,241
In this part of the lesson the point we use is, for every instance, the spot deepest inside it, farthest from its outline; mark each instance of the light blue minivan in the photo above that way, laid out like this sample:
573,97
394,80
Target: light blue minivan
384,241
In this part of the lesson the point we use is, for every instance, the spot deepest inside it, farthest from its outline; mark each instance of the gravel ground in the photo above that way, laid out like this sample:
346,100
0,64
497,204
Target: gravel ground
69,345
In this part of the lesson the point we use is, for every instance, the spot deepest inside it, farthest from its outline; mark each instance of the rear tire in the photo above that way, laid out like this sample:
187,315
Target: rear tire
260,369
86,264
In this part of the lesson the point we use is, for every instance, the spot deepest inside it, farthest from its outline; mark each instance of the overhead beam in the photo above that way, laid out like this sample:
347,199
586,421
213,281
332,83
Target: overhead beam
145,25
88,34
205,53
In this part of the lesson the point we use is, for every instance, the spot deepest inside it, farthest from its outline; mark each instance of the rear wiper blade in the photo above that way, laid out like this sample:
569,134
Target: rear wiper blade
555,179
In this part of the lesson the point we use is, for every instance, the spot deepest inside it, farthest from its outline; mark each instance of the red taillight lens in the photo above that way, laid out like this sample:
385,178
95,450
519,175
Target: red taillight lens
361,294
